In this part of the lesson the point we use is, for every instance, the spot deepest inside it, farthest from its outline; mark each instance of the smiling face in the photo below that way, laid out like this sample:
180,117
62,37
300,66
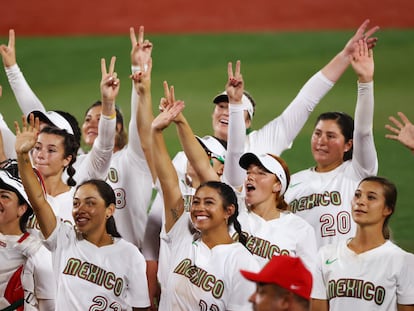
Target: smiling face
261,186
207,210
220,120
49,154
90,211
10,212
328,145
369,204
90,125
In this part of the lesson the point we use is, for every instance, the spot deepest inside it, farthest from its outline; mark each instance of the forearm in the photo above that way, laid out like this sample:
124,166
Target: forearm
233,173
364,152
98,160
195,152
25,96
336,67
279,134
144,117
41,207
173,202
8,139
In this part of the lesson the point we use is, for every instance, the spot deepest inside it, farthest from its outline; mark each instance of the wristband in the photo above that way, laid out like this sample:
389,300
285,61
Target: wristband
135,69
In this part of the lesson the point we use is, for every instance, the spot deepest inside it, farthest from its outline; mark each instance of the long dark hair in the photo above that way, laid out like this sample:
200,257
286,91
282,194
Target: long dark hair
108,195
71,147
228,198
390,195
346,125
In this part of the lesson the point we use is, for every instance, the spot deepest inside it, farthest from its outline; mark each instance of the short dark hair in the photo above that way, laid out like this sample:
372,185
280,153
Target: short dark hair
346,125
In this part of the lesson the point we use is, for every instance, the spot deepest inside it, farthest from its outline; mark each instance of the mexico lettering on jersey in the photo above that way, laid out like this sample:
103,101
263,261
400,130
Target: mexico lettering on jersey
32,223
200,278
316,199
94,274
356,288
262,247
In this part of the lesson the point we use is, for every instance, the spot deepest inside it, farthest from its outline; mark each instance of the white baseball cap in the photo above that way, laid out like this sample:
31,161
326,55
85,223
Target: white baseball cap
55,119
213,145
12,183
268,162
246,102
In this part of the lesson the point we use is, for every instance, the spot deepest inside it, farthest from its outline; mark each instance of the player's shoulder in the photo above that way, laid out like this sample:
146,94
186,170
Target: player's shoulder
125,247
302,174
295,221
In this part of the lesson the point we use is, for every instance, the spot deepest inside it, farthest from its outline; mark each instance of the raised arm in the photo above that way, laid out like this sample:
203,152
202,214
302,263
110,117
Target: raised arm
25,97
173,200
142,66
337,66
278,135
7,136
402,131
364,154
25,141
139,54
233,173
97,162
193,150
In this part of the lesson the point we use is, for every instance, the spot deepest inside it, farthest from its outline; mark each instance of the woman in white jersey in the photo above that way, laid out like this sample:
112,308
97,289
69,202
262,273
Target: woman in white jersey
22,285
113,155
87,263
278,134
203,257
367,271
95,164
267,224
344,155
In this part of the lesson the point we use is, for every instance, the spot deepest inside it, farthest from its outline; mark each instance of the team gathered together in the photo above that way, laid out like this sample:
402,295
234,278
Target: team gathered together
221,226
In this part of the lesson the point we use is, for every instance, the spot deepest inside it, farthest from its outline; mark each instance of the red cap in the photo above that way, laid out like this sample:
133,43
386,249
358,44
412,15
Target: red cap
287,272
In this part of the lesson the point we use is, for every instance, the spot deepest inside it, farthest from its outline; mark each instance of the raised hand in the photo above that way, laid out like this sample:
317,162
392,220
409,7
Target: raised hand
361,34
8,52
141,49
362,61
235,83
109,82
403,131
26,137
169,113
1,91
170,109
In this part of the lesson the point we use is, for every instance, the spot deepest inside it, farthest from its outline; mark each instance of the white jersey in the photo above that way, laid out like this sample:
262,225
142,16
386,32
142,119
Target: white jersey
131,180
62,207
41,262
126,170
94,164
275,137
18,268
202,278
286,235
324,199
377,279
96,278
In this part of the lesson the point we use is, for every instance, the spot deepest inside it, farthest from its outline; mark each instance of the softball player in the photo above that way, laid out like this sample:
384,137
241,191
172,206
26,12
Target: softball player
86,262
203,266
22,283
368,271
344,155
